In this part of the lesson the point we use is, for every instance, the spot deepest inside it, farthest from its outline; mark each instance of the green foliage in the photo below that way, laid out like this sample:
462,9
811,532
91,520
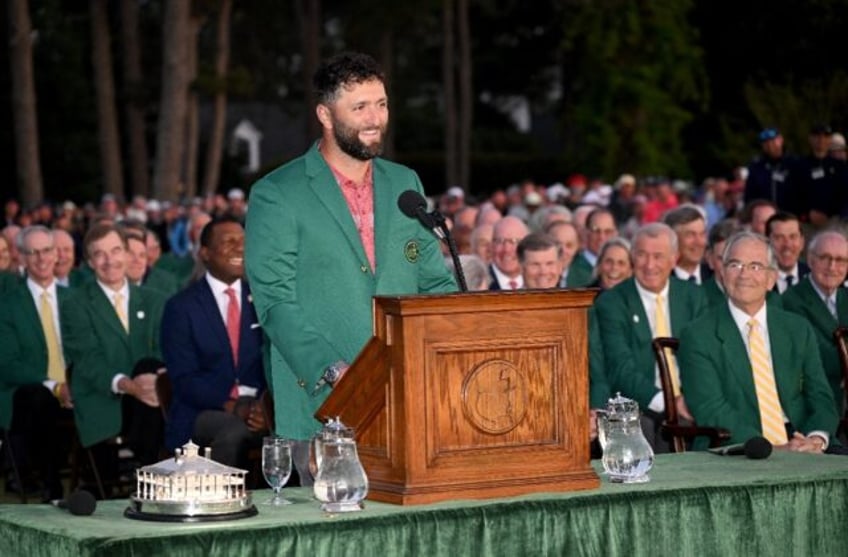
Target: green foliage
632,80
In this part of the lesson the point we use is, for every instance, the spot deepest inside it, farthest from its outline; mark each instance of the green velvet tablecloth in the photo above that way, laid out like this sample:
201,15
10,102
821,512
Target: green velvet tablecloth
696,504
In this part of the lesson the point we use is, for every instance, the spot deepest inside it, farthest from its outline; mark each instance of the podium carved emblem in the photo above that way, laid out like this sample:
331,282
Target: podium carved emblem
494,396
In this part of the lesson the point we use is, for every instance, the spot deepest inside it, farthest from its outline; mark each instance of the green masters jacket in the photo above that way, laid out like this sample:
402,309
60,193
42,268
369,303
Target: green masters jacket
311,281
579,272
23,350
626,334
718,383
162,281
803,299
599,387
99,347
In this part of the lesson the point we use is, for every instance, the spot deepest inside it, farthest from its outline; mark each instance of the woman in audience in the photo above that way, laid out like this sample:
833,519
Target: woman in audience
614,264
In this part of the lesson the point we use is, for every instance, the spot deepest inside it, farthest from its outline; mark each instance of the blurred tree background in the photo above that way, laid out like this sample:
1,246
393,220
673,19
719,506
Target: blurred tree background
483,92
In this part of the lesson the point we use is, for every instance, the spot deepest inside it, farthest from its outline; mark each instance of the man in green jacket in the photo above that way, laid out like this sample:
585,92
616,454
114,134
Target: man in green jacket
325,235
821,298
752,367
112,337
34,394
650,304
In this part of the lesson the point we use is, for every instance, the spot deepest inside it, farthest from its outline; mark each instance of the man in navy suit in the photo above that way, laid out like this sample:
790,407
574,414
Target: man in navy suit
212,347
787,239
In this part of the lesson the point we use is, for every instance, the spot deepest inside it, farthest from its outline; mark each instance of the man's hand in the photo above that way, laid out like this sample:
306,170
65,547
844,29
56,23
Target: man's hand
682,409
64,395
803,444
593,425
142,387
256,417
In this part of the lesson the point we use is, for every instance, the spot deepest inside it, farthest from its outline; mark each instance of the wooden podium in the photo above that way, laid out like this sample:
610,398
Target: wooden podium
471,396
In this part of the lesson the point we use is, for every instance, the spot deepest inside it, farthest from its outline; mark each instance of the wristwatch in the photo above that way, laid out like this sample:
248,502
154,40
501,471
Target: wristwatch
333,372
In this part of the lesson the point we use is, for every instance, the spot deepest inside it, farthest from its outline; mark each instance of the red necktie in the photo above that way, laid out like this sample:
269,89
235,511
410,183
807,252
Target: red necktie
233,322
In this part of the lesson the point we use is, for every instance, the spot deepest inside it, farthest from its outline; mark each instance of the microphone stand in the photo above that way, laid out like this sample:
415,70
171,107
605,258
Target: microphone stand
441,225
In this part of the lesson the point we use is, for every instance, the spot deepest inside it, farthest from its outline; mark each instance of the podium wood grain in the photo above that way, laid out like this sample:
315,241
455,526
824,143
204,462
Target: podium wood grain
471,396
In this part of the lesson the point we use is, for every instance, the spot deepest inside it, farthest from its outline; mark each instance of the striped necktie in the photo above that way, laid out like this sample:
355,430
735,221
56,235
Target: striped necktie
771,415
662,330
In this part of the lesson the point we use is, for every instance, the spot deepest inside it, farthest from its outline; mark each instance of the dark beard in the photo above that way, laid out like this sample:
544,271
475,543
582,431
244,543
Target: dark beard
348,141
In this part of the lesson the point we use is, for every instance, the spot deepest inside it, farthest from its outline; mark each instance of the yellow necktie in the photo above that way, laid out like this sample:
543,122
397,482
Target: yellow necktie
119,309
55,360
771,416
662,330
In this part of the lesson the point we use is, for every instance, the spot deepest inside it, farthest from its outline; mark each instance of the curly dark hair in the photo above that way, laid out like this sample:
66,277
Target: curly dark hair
343,69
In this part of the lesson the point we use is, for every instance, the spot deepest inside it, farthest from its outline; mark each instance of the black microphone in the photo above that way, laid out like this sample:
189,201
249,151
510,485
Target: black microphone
754,448
412,204
78,503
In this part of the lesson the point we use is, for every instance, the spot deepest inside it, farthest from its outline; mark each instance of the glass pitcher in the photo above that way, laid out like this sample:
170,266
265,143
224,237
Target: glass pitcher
332,430
627,455
341,483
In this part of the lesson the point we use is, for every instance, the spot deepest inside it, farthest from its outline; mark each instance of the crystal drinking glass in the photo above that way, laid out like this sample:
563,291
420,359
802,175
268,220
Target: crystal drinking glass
277,466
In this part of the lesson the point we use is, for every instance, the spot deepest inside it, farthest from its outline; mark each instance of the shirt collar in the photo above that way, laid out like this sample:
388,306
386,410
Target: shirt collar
741,318
825,298
124,290
646,294
218,286
36,289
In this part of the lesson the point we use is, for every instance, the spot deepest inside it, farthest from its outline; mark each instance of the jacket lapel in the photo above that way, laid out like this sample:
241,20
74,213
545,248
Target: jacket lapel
677,301
382,213
326,189
818,314
29,314
735,355
636,312
104,311
781,356
208,308
842,305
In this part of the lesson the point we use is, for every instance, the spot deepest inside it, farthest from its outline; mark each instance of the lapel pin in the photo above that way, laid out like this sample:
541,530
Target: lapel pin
140,315
254,325
250,298
635,318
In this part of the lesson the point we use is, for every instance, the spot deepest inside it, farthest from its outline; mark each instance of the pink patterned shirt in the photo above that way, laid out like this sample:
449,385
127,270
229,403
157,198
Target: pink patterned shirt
360,201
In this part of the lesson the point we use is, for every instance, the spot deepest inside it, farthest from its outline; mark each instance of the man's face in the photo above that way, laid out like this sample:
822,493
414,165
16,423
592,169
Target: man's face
5,255
746,287
829,262
773,147
569,243
614,266
542,269
692,242
154,250
481,244
358,119
600,229
787,242
715,262
508,232
108,258
39,255
65,257
224,257
760,217
653,260
136,259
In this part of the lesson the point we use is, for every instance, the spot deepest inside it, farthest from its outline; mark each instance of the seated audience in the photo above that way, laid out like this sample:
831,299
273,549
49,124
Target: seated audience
34,394
213,352
824,301
650,304
753,368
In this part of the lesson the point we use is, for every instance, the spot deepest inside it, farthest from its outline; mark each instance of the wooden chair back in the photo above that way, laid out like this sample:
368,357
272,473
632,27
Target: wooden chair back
679,434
